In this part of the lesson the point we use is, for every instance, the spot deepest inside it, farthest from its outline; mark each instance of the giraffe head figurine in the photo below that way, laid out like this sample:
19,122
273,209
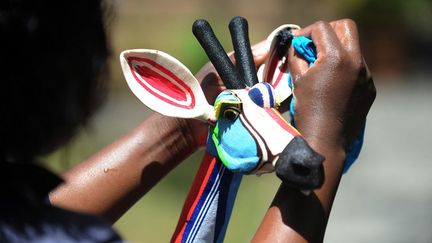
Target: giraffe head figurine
246,131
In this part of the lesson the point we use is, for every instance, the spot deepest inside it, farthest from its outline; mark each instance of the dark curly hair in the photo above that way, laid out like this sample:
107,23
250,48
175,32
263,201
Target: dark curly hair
52,59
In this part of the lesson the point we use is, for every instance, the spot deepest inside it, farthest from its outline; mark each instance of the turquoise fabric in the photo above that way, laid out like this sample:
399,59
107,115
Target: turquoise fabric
235,146
305,47
230,140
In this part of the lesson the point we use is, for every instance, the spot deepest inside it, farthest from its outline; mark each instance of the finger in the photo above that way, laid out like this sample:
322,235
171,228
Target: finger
323,36
296,64
260,53
212,85
347,33
208,68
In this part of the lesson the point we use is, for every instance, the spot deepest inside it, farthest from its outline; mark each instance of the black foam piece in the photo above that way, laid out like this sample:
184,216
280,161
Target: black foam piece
284,38
299,166
217,55
243,53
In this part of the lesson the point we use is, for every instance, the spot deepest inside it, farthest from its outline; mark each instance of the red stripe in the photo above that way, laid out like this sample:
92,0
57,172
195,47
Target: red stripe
195,193
170,87
282,121
281,73
271,68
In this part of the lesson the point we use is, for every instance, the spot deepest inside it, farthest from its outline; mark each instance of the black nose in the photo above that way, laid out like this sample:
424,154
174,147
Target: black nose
299,166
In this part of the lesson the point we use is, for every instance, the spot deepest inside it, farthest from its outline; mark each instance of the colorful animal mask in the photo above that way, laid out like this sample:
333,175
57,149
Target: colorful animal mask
247,134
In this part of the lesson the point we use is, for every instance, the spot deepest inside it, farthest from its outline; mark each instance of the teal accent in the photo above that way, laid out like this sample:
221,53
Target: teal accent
230,141
235,147
225,96
354,149
306,48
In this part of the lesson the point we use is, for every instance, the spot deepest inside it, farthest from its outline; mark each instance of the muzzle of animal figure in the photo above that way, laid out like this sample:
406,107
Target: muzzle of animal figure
251,137
299,166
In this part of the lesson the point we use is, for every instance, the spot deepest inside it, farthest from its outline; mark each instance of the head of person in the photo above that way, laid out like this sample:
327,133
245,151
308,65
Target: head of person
52,63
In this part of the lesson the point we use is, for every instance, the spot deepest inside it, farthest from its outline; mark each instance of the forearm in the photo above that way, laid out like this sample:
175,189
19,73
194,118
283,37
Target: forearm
332,99
110,182
294,217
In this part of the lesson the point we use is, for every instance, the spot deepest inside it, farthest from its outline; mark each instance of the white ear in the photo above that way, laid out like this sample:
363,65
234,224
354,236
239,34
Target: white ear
275,70
164,84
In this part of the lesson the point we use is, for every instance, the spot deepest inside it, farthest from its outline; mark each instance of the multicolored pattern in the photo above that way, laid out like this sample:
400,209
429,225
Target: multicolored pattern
275,70
238,144
255,135
263,95
209,204
247,134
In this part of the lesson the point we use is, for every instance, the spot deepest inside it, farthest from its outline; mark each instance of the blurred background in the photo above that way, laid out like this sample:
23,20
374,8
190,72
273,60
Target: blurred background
385,197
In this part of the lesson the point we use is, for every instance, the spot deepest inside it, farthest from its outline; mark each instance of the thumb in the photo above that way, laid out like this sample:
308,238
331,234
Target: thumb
297,65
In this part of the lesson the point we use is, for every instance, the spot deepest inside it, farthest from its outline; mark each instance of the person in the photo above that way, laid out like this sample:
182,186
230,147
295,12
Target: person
52,62
333,98
53,58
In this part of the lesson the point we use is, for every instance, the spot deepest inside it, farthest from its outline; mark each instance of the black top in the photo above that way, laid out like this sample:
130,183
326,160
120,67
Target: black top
27,216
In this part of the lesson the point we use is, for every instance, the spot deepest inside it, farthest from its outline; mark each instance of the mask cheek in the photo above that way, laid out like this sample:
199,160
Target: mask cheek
235,147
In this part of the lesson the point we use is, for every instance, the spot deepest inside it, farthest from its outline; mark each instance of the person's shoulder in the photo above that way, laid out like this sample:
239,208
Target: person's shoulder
50,224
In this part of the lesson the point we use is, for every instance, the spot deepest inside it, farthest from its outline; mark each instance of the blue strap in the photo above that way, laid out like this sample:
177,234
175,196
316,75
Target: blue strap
305,47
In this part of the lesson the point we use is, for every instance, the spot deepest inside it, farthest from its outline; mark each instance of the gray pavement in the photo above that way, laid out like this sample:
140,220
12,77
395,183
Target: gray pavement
387,195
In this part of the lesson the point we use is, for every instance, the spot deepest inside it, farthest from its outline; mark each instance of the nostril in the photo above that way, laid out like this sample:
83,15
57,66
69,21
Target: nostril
300,170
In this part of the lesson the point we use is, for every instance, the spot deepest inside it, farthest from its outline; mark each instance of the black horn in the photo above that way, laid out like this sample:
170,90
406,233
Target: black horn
243,53
217,55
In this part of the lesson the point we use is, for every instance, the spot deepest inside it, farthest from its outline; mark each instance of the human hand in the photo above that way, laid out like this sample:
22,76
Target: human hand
333,97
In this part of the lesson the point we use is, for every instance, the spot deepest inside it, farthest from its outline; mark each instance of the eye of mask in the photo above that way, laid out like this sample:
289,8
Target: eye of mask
227,105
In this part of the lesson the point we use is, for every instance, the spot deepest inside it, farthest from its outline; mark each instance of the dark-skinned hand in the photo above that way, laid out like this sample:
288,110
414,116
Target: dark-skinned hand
332,97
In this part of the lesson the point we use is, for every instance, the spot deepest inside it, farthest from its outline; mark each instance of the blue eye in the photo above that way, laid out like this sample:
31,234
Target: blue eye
262,94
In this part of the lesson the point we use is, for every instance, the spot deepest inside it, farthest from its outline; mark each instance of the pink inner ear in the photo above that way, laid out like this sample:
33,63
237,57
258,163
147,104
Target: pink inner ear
169,88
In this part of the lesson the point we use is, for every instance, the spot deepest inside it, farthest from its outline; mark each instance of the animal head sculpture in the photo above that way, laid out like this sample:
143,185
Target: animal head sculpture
246,132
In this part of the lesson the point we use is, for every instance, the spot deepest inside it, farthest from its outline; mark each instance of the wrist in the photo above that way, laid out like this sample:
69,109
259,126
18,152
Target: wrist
320,130
326,138
175,134
328,146
198,132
